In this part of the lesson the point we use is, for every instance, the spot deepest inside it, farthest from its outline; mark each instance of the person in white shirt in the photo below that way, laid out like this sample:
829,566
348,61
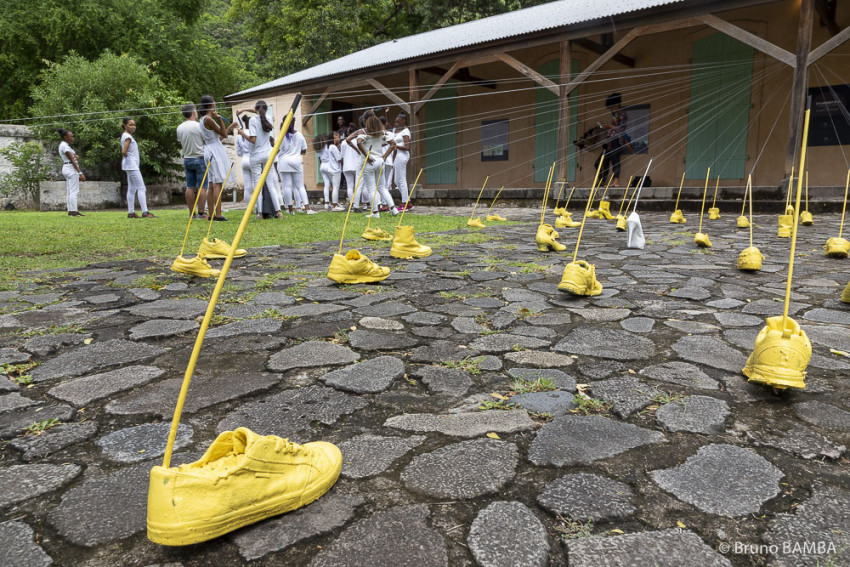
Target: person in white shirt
243,150
351,162
213,131
259,132
401,135
70,171
328,153
291,168
192,152
130,164
370,144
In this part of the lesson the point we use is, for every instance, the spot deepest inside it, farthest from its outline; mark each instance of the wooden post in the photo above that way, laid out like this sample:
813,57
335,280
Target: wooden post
564,111
800,87
413,122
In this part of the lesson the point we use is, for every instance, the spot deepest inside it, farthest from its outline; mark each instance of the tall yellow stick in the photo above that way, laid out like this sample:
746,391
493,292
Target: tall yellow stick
194,208
679,194
374,196
357,182
746,192
196,350
796,222
479,197
494,200
750,190
570,196
629,204
218,200
587,207
409,195
704,194
546,192
716,185
844,207
561,190
807,191
790,185
625,194
607,185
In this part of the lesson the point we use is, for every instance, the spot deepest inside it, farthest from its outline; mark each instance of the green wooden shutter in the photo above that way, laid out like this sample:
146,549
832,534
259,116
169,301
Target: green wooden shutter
718,119
441,137
321,125
546,125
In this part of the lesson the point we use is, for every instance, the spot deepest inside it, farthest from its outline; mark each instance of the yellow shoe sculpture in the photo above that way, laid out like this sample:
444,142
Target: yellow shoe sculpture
713,213
354,267
701,240
806,218
218,249
560,212
496,217
405,245
545,239
594,214
476,222
605,210
579,278
621,223
566,221
845,295
837,247
241,479
786,222
749,259
373,233
196,266
677,217
743,222
780,356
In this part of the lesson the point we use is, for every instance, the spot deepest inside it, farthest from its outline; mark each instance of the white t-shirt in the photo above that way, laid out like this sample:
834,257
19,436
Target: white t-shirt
191,143
290,153
399,137
131,161
374,145
351,158
261,148
65,147
334,158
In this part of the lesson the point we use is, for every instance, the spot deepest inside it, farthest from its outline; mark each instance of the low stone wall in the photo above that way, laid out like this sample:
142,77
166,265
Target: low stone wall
93,195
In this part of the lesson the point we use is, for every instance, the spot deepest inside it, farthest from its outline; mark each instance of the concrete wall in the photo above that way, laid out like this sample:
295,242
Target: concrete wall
93,195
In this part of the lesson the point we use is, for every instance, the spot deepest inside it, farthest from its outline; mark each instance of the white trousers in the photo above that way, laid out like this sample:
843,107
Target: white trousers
293,188
331,180
72,186
247,181
256,172
136,189
369,183
400,174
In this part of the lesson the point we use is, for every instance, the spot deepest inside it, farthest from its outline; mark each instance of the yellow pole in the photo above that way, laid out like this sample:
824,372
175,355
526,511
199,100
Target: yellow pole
587,207
844,207
194,208
679,194
561,190
626,194
704,194
546,192
796,222
607,185
716,185
357,182
494,200
196,350
788,193
570,196
807,191
750,189
629,204
479,197
746,191
409,195
218,200
374,196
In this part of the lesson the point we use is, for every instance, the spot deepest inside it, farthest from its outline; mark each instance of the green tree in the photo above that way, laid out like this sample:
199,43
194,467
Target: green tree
28,169
93,90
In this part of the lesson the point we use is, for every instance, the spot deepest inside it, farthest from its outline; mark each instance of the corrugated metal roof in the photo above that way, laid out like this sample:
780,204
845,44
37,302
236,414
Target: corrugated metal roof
521,22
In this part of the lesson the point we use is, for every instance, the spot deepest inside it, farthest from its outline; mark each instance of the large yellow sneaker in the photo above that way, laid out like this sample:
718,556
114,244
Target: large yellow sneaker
560,212
845,295
742,222
545,239
605,210
806,218
594,214
713,213
196,266
781,355
476,222
218,249
621,223
701,240
677,217
241,479
405,245
374,233
749,259
566,221
837,247
496,217
354,267
785,223
579,278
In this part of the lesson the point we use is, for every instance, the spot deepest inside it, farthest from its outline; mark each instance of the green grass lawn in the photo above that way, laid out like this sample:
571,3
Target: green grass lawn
49,240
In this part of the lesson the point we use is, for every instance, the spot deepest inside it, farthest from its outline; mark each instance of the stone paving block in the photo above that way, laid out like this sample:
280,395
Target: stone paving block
441,380
246,327
738,320
310,354
798,440
54,439
9,402
821,315
374,340
573,440
463,470
598,315
160,328
582,496
539,358
143,442
692,327
424,318
666,548
310,309
626,394
379,324
440,351
723,480
186,308
369,455
690,292
95,356
681,373
22,482
528,543
48,344
386,309
145,293
561,379
711,352
368,377
638,324
504,342
464,424
467,326
694,414
489,363
13,356
242,311
82,391
606,343
556,403
17,545
598,369
823,415
273,298
383,540
12,423
328,294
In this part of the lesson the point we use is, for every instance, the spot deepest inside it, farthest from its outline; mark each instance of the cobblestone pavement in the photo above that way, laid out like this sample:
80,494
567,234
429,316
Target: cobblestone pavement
678,461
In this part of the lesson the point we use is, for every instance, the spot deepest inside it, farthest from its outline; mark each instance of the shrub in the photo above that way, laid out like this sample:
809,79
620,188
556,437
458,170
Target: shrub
28,169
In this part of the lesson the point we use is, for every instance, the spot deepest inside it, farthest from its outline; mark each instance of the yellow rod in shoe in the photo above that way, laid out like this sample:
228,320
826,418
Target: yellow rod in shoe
561,190
546,192
607,185
479,197
357,183
587,206
494,200
716,185
570,196
796,222
750,190
194,208
199,341
632,196
679,194
844,207
218,200
625,194
704,194
409,195
374,196
746,192
807,191
788,192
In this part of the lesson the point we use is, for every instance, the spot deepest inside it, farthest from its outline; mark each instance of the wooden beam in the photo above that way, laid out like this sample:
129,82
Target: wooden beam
800,86
599,49
829,45
315,106
440,82
602,59
462,76
390,95
528,72
562,151
750,39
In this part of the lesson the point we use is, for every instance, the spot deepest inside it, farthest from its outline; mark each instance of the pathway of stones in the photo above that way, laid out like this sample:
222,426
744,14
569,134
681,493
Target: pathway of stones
676,458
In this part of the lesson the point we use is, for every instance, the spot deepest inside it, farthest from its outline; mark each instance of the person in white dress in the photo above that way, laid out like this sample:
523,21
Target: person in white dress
213,131
243,150
370,143
401,135
259,133
351,162
70,171
327,151
130,162
291,168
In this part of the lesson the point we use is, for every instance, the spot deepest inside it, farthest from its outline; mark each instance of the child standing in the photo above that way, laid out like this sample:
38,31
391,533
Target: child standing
130,164
259,134
401,135
291,165
370,143
213,131
243,150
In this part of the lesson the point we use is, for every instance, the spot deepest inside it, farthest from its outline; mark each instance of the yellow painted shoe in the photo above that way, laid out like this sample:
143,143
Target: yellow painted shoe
743,222
241,479
786,223
605,210
196,266
496,217
405,245
566,221
476,222
749,259
713,213
780,356
354,267
560,212
579,278
677,217
545,239
701,240
218,249
621,223
374,233
845,295
594,214
837,247
806,218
